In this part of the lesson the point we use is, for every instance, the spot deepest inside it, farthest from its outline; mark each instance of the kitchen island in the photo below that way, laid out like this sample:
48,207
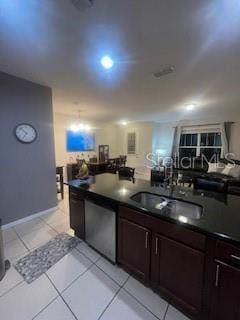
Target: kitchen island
192,261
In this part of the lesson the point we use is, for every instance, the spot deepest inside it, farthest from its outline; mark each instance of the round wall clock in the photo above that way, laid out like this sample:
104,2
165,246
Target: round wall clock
25,133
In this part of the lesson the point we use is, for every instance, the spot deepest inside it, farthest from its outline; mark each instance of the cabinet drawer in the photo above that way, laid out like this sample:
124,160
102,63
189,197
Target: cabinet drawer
228,253
135,216
179,233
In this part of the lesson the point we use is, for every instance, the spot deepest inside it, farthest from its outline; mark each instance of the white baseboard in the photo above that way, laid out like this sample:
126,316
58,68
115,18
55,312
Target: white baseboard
28,218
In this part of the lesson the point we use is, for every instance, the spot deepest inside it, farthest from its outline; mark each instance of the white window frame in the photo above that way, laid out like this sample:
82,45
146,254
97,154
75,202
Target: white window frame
199,130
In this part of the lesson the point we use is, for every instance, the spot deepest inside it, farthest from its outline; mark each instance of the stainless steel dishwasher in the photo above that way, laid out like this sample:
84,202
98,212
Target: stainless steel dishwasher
100,228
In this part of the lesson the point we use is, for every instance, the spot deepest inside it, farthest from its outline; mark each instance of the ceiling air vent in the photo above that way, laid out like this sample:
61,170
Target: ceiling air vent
83,4
164,71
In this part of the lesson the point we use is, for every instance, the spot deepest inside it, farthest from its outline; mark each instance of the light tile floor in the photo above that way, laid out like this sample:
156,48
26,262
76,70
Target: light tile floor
82,285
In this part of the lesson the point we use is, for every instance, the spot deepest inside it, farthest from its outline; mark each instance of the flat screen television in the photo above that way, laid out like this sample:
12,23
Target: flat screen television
80,141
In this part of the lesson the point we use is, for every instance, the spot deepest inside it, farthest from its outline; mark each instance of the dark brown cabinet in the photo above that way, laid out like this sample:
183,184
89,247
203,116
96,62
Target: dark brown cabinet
226,293
134,248
167,256
196,273
72,171
226,287
178,271
103,151
77,215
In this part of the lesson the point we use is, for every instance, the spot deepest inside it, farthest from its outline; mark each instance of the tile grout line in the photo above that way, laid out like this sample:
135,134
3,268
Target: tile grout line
61,210
166,312
77,278
93,263
23,242
122,287
99,268
6,292
13,230
45,307
37,229
20,282
40,244
110,276
110,302
49,225
68,307
61,296
143,304
52,227
28,251
86,255
108,305
59,293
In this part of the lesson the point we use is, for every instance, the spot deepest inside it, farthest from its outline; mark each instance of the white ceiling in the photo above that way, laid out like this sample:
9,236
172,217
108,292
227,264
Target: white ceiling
50,42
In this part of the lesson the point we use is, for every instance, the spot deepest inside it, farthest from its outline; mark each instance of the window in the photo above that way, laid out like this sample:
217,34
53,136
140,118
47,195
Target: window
211,145
131,143
197,144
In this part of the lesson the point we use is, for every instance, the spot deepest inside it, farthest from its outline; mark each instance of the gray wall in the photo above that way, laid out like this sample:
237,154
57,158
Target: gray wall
27,171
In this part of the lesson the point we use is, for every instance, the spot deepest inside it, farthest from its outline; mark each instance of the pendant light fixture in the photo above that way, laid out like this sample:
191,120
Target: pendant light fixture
79,125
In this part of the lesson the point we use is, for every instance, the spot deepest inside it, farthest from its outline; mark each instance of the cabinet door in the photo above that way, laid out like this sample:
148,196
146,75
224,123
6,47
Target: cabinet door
134,248
178,271
77,217
226,294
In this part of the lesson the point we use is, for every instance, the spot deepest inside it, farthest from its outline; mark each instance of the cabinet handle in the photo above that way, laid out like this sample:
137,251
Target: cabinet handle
217,276
235,257
156,246
146,240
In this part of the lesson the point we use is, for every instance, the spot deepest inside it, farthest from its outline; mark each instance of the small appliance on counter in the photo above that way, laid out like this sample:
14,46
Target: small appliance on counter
4,264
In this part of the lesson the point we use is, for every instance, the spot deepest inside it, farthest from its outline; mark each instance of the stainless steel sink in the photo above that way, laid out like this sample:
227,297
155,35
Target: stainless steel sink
185,209
176,208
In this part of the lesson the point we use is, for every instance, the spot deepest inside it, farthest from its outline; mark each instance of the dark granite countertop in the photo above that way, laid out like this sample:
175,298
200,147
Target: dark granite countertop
221,213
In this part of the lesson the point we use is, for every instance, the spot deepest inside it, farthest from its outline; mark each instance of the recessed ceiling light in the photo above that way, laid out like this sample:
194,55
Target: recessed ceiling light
124,123
190,107
107,62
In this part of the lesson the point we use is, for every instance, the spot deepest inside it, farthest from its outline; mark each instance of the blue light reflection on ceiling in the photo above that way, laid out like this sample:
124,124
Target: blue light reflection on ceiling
222,19
26,23
106,77
219,23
